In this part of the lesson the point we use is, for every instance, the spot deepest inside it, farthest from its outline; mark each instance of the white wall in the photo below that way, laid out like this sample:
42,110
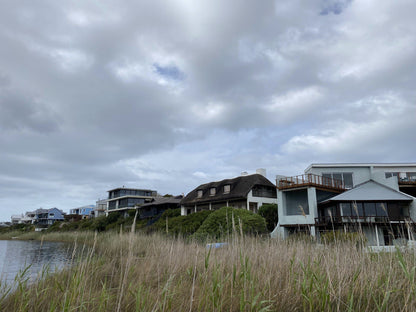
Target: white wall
259,200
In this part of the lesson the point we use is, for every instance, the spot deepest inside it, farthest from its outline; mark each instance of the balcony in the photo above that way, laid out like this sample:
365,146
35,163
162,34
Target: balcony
337,220
408,181
310,180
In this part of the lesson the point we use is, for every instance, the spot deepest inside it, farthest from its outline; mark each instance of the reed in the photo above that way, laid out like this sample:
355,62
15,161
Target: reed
136,272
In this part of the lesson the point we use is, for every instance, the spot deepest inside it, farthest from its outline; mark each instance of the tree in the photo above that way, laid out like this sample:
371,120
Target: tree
269,212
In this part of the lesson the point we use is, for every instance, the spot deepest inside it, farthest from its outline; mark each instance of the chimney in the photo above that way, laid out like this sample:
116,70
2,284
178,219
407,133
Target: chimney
261,171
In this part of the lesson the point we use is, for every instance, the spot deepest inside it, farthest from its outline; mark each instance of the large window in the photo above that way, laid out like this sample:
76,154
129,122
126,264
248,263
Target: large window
112,204
264,191
345,177
364,209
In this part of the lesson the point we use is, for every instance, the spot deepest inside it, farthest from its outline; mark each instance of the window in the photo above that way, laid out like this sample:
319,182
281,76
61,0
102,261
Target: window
370,209
411,176
199,193
212,191
227,188
345,177
391,174
346,209
112,205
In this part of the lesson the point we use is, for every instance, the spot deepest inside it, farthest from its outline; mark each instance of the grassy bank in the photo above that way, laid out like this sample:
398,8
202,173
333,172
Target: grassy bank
124,272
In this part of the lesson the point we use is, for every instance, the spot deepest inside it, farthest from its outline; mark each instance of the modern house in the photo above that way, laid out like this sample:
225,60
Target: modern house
47,217
123,199
16,219
84,211
158,205
29,217
245,192
100,208
377,199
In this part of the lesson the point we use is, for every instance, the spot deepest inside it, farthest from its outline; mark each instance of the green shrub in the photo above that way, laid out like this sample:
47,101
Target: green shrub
269,212
228,220
171,213
181,225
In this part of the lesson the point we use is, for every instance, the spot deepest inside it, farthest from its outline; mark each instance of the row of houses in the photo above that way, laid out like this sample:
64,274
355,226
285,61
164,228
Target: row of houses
40,217
376,199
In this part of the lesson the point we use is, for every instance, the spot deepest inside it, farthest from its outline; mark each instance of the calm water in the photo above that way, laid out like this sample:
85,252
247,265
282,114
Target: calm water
17,255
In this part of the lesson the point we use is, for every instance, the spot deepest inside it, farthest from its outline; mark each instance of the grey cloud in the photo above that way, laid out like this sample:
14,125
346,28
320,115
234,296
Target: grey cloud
99,95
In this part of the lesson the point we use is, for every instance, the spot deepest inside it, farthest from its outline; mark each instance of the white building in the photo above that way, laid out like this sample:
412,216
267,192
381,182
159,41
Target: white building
378,199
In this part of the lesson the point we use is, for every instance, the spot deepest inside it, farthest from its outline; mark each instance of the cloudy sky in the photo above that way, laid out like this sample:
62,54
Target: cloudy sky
167,95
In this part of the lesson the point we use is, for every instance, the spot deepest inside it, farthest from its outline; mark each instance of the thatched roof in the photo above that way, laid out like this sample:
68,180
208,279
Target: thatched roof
239,189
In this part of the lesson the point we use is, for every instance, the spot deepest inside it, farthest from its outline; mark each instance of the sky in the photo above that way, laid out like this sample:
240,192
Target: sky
167,95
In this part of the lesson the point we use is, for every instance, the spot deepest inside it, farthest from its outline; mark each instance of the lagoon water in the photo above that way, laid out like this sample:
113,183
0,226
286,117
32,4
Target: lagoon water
17,255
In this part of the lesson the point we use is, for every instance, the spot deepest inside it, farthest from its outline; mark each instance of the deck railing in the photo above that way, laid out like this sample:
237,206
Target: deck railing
309,179
327,220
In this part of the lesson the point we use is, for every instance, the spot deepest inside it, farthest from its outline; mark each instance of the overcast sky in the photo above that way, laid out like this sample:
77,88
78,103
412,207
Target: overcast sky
167,95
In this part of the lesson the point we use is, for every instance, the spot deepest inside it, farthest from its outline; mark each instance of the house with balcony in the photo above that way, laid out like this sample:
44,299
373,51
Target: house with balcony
47,217
100,208
376,199
246,192
158,205
85,211
122,199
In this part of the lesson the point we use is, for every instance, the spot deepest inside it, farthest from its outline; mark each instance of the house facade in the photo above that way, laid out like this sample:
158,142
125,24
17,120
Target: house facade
158,205
84,211
376,199
100,208
47,217
246,192
123,199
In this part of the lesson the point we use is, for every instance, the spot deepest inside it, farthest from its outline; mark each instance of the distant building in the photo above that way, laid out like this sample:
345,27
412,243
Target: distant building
123,199
29,217
158,205
100,208
84,211
16,219
47,217
246,192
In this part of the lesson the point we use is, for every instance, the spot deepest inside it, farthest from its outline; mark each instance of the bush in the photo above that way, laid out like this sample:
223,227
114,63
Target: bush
183,225
171,213
269,212
227,220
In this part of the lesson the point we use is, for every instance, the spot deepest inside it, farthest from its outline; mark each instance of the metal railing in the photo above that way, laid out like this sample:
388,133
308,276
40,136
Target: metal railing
309,179
327,220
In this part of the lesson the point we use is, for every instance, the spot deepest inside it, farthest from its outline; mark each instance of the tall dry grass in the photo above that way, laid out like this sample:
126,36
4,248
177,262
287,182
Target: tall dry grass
134,272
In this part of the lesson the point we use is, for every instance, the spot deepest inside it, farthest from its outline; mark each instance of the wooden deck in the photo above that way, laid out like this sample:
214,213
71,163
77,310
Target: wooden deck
310,180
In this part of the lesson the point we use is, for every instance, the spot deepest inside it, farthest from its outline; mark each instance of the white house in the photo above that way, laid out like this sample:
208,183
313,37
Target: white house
378,199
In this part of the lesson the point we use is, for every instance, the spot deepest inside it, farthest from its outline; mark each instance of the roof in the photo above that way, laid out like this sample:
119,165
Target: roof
164,200
337,165
239,188
130,188
371,191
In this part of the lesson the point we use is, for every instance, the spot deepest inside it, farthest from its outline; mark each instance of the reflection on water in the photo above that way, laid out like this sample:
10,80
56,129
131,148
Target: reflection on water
17,255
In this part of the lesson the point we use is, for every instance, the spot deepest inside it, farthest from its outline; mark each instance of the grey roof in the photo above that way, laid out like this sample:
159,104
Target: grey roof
130,189
164,200
239,188
371,191
357,165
